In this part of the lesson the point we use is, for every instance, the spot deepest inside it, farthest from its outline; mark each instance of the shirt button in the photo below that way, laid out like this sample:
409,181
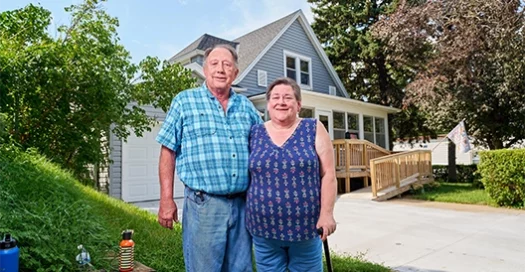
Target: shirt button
234,175
233,155
231,137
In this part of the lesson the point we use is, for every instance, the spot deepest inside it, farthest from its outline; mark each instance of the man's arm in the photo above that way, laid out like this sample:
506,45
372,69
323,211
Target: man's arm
167,207
324,149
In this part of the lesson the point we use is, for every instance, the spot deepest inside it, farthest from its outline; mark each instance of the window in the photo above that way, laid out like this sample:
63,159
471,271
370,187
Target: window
368,122
380,132
344,122
352,125
375,130
306,113
262,78
339,125
198,59
298,68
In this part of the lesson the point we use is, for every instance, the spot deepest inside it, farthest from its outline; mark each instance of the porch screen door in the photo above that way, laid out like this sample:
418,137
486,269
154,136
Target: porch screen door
326,118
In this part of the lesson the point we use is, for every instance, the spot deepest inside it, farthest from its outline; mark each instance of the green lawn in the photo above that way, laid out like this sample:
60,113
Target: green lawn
464,193
50,214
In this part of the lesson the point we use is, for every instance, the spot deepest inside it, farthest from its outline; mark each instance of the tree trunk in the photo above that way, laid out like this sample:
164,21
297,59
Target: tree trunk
452,176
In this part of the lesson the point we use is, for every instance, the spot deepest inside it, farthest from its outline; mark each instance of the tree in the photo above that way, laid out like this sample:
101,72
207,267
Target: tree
62,94
473,67
361,60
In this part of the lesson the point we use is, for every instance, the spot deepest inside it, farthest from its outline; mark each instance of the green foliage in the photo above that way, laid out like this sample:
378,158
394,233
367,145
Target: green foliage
463,193
464,173
3,128
50,214
503,175
363,63
62,94
470,64
349,263
43,208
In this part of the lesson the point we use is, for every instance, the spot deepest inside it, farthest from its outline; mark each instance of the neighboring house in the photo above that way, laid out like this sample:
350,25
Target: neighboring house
286,47
439,148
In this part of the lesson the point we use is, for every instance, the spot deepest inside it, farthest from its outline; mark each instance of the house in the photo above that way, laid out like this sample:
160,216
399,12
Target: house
439,148
286,47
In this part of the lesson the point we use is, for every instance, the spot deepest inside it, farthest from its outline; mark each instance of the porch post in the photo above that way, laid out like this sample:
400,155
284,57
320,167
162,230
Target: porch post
361,127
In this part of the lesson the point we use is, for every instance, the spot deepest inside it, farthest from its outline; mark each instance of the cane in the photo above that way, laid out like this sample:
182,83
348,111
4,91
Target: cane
326,251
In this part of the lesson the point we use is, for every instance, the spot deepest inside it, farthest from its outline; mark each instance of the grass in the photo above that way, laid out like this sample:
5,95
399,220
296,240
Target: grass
463,193
50,214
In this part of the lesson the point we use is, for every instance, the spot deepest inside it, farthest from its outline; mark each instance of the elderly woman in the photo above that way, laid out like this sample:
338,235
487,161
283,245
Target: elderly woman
293,186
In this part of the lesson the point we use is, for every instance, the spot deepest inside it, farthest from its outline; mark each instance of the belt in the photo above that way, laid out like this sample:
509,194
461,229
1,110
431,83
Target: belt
228,196
200,194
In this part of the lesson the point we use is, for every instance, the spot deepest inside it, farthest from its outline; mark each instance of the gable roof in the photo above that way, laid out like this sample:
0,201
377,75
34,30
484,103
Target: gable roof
202,43
258,39
252,46
253,43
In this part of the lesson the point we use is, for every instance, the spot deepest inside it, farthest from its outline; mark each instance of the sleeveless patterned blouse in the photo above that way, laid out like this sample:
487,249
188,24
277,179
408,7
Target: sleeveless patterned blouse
283,201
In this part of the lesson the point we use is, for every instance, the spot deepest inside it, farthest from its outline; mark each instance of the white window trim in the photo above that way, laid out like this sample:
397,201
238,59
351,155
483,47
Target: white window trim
298,57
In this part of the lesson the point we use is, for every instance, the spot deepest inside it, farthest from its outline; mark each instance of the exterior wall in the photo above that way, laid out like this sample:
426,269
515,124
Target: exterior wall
294,40
115,168
440,153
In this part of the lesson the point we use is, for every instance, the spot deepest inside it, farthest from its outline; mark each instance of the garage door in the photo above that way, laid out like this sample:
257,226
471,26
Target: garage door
140,160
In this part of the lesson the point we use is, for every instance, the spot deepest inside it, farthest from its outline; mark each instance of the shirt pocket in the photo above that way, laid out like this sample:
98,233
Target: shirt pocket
241,123
200,124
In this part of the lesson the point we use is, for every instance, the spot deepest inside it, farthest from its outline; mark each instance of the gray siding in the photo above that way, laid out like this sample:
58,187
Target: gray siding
115,167
295,40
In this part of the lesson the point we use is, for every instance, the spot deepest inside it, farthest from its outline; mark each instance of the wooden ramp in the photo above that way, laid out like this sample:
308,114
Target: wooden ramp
390,174
394,174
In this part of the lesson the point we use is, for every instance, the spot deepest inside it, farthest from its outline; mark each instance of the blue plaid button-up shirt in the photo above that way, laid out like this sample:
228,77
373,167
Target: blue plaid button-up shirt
211,145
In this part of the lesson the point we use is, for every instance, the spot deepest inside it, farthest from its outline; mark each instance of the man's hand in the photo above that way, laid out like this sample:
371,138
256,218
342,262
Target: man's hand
327,222
168,213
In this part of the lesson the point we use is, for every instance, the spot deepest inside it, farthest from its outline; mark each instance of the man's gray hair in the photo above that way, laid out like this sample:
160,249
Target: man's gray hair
225,46
288,82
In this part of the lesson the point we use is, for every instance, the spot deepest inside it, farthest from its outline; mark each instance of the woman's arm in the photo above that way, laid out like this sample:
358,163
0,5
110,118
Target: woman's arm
324,148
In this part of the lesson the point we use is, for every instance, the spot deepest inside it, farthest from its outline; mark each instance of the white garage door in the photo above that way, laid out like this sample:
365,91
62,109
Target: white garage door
140,161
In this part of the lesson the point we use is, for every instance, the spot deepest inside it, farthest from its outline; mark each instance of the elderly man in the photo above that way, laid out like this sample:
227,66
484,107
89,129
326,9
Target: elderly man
205,135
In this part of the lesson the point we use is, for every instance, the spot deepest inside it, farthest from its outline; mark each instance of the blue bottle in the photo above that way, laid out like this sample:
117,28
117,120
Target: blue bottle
9,254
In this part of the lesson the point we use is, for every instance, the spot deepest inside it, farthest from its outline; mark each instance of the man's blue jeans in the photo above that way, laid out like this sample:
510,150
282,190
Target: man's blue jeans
214,234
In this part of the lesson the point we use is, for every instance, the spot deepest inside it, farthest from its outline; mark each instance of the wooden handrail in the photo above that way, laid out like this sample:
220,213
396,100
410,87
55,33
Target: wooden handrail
393,170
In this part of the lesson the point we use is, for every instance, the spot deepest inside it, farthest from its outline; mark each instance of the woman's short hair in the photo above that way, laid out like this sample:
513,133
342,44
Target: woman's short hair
285,81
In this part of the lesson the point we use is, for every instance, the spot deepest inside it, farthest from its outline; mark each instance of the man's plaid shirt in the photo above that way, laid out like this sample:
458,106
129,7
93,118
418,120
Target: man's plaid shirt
211,146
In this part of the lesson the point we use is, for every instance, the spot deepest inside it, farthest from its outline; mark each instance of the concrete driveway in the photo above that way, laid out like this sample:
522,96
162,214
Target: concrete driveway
425,236
430,237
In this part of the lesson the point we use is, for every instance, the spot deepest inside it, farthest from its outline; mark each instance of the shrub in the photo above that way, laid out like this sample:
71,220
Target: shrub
465,173
503,175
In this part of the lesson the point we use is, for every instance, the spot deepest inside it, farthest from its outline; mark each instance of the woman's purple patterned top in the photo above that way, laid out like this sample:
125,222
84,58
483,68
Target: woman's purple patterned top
283,201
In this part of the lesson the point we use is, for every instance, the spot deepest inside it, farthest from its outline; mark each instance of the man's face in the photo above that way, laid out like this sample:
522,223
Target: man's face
220,70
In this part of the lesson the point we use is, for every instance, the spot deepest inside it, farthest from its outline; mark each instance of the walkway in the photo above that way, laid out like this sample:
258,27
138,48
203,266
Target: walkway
430,237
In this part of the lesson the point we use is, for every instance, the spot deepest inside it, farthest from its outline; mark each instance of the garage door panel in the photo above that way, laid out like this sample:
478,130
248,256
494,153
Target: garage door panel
140,156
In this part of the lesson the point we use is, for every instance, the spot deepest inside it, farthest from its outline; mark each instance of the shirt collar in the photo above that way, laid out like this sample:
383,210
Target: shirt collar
233,94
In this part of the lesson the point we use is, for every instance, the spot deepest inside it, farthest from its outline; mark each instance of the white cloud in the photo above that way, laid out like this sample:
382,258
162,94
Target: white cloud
251,15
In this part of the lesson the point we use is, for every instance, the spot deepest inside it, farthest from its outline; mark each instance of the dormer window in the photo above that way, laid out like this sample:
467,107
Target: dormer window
298,68
198,59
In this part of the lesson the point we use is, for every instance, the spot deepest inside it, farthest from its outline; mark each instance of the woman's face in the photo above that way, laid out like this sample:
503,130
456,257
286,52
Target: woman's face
282,105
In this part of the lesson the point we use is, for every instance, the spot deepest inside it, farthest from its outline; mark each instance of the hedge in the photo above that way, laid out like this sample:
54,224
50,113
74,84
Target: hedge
465,173
503,175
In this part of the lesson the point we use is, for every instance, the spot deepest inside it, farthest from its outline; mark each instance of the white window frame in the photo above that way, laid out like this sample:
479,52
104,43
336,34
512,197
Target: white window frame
298,59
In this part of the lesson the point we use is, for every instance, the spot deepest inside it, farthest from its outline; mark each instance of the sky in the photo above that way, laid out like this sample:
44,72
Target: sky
161,28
